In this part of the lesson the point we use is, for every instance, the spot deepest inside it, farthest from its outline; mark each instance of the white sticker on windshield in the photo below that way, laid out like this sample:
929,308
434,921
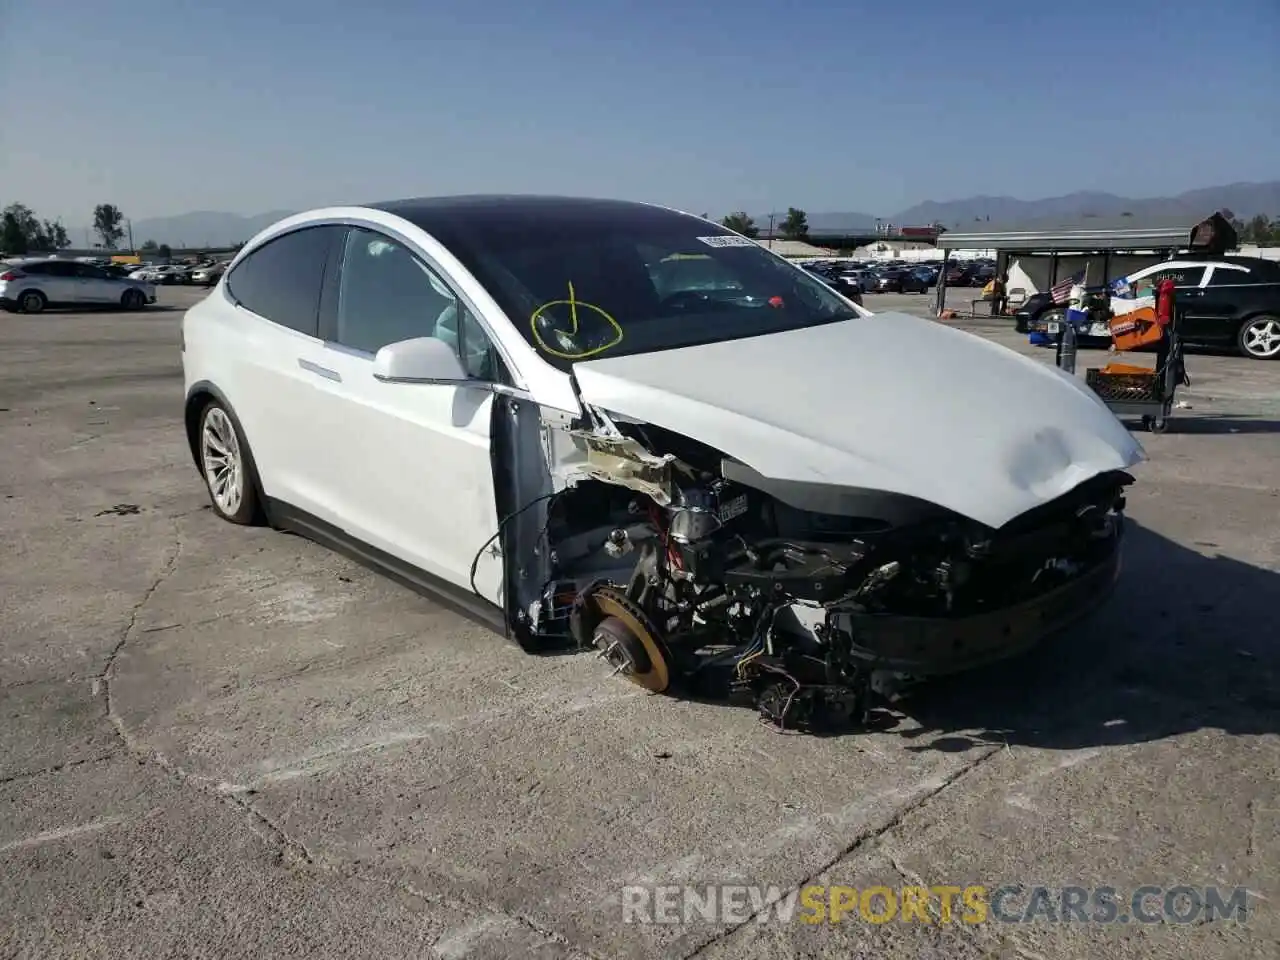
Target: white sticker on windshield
727,240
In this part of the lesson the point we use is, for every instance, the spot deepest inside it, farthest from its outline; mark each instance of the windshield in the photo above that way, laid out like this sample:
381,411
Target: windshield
607,288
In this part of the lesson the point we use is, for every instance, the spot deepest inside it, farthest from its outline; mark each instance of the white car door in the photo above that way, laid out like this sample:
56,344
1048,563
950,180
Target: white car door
408,464
267,342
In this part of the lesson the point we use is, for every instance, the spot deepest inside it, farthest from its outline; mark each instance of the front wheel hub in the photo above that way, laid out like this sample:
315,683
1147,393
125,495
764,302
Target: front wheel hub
626,639
620,648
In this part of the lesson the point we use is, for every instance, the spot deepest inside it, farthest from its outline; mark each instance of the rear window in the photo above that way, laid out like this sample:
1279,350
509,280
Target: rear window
1226,277
280,280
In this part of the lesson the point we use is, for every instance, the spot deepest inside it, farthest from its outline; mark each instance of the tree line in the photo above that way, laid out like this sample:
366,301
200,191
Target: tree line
1262,230
21,231
794,226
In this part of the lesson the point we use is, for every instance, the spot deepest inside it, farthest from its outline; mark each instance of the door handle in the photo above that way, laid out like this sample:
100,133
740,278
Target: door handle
320,371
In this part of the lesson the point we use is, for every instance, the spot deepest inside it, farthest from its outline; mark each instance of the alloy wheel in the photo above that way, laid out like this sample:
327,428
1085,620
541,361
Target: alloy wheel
222,461
1261,338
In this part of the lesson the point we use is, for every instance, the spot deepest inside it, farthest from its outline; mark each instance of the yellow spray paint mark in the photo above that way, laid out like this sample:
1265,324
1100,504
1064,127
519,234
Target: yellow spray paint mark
573,303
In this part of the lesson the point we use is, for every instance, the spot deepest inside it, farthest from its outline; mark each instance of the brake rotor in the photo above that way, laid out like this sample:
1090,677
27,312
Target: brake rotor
629,641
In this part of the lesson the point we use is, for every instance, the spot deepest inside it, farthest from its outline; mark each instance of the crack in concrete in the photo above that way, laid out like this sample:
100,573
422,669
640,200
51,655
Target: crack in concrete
965,931
862,838
108,670
57,767
472,906
288,845
18,684
274,833
292,852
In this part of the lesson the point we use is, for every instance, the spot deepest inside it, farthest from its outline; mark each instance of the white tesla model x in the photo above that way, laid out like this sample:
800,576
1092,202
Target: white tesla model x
621,426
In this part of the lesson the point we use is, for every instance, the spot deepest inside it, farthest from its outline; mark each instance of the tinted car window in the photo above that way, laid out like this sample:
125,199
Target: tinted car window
61,269
609,287
90,272
281,280
33,269
387,294
1225,277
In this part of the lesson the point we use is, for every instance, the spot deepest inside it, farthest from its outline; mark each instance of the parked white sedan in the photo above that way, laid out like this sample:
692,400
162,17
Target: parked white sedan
750,487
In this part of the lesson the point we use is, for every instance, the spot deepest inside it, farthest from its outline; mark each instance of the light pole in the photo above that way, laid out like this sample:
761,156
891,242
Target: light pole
129,226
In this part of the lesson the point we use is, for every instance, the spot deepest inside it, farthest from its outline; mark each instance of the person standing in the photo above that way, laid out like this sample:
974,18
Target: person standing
999,294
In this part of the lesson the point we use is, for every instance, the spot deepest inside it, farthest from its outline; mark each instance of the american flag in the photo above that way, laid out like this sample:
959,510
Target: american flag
1062,289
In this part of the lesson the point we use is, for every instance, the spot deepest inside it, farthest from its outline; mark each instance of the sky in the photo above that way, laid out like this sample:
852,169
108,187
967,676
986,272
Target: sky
705,105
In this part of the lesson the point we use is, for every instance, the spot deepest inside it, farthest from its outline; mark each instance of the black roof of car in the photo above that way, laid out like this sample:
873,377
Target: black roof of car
436,214
1260,264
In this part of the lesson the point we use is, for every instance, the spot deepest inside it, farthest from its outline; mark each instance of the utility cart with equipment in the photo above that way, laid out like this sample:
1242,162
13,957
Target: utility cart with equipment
1130,390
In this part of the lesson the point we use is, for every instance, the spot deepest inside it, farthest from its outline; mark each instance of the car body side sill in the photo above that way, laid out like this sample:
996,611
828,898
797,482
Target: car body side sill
461,601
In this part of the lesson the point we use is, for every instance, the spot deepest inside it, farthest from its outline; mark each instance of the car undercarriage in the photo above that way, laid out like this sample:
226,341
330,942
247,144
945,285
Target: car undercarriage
690,574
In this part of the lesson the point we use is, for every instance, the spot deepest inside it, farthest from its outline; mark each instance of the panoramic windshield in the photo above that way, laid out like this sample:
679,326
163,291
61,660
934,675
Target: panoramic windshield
611,287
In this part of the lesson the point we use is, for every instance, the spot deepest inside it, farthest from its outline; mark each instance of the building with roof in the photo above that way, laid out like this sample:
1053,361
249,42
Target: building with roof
796,248
848,240
1037,254
898,250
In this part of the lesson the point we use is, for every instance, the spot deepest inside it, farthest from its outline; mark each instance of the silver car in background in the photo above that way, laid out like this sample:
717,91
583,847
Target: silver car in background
30,286
161,274
208,276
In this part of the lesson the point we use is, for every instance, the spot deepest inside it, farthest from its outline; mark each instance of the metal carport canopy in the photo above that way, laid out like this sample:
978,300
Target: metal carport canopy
1211,234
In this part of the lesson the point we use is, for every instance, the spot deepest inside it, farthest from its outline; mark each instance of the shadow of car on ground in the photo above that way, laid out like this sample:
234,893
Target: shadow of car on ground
1188,641
1201,425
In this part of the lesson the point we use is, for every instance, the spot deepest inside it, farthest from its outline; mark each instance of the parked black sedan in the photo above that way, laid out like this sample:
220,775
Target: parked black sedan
901,281
844,284
1226,301
1030,316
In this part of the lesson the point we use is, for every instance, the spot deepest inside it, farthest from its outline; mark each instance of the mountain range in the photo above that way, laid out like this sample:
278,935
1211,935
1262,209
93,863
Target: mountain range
1245,200
204,228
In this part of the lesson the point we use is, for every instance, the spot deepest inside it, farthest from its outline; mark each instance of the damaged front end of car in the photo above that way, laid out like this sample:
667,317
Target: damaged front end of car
690,573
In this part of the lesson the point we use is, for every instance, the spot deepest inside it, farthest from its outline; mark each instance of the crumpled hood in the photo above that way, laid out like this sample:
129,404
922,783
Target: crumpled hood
889,402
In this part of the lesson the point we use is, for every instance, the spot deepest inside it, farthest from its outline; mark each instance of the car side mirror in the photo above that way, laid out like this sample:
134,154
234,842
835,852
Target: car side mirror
420,360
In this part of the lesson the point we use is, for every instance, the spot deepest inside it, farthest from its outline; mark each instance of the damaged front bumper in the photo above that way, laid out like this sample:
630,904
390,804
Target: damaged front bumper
921,647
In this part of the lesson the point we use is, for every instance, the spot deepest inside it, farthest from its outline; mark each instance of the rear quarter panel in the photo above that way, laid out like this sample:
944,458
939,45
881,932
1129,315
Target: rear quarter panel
253,364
